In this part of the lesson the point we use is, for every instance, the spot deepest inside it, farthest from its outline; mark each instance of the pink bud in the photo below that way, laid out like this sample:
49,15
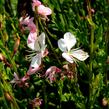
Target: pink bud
16,45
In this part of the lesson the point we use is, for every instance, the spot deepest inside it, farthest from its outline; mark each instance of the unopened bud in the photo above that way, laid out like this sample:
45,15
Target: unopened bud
8,96
16,45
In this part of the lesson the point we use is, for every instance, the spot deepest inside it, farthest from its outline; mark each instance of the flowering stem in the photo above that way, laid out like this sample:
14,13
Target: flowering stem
49,42
91,50
45,96
52,47
92,25
60,91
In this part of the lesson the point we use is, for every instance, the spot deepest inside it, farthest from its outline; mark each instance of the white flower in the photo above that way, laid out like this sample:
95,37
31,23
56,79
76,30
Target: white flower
65,45
31,40
39,47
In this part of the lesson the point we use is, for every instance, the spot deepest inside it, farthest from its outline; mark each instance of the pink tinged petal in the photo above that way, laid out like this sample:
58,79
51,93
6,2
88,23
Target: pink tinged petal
67,57
29,23
32,27
25,78
52,69
45,53
36,2
79,54
36,102
50,73
31,40
58,70
44,10
33,70
70,40
62,45
36,61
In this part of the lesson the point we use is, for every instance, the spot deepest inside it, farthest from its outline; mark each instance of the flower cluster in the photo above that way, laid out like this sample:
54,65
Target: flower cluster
34,42
37,44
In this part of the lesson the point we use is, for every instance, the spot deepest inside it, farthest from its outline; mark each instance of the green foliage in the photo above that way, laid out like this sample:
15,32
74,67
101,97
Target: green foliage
87,86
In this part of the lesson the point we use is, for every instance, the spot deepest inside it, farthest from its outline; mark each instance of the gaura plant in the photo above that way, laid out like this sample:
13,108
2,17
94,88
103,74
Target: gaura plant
55,84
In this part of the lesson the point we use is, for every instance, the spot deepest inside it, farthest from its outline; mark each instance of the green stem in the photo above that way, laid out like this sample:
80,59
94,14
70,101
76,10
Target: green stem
15,30
45,96
60,91
53,50
91,67
90,103
1,90
91,50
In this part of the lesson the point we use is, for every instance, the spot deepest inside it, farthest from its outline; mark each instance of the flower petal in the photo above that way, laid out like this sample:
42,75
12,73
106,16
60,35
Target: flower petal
62,45
67,57
32,70
36,61
79,54
31,40
40,43
42,39
36,2
44,10
16,76
70,40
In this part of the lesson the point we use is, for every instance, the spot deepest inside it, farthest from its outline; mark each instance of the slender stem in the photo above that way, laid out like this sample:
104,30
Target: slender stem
49,42
45,96
91,50
90,103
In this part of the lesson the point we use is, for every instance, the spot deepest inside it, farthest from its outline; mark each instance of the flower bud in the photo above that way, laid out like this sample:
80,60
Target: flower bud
16,45
8,96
